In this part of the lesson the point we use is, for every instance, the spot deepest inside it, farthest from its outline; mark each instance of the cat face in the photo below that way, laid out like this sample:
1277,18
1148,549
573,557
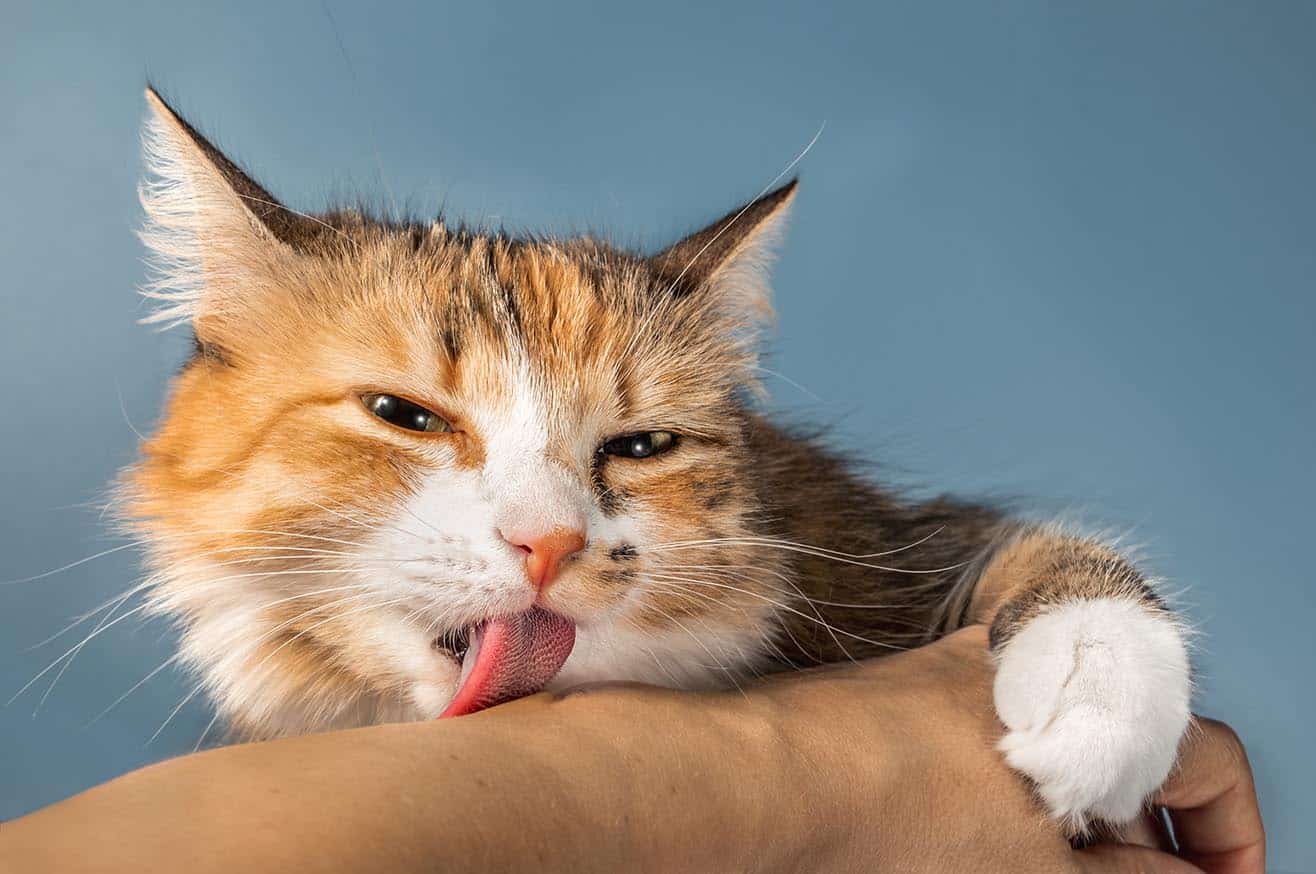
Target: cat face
391,434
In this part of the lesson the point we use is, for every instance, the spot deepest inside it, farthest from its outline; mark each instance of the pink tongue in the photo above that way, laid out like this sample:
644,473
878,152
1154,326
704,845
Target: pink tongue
514,656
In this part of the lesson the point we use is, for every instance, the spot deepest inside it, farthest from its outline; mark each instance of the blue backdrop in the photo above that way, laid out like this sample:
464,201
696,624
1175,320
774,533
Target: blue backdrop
1062,251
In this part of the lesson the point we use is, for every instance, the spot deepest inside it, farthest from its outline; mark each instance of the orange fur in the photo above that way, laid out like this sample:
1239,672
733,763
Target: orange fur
266,470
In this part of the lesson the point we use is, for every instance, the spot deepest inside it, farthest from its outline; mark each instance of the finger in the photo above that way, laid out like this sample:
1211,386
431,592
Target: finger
1117,859
1213,802
1148,830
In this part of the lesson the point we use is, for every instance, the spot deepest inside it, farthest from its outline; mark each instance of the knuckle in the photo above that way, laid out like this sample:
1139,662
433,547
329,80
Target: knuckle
1233,743
1229,744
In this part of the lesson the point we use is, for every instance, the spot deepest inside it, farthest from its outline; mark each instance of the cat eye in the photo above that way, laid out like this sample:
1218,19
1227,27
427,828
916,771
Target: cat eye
403,413
642,445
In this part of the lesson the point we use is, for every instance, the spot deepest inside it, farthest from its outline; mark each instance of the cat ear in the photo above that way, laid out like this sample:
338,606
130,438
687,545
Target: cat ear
727,262
211,229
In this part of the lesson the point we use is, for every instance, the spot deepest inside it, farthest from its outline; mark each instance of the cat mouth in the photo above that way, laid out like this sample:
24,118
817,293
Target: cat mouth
506,657
455,643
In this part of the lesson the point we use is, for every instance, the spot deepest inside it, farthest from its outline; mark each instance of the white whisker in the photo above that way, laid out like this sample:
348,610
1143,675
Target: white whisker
70,565
787,608
143,681
96,632
780,176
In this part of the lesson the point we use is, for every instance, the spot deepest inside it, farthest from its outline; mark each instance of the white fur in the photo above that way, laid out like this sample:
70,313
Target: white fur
174,205
532,493
445,552
1095,695
697,657
197,229
228,624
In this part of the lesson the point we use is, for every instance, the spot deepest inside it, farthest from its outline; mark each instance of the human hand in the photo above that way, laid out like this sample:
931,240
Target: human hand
937,795
1212,804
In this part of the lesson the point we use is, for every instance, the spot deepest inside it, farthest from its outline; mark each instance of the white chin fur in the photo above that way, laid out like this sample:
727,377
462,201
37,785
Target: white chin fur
1095,697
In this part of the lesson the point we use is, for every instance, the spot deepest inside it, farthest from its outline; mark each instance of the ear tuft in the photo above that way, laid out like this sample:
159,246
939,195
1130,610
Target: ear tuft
728,261
206,220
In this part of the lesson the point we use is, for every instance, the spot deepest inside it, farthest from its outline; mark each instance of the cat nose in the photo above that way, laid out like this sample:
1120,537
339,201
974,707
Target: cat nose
546,552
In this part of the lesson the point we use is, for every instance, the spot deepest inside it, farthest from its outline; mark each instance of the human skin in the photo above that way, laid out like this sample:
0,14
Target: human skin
885,765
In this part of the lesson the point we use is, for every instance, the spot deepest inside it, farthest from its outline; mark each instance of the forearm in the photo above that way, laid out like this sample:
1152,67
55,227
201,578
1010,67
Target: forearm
883,766
1038,567
579,783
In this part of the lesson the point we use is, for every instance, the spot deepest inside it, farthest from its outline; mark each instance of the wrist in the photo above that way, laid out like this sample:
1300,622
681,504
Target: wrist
831,774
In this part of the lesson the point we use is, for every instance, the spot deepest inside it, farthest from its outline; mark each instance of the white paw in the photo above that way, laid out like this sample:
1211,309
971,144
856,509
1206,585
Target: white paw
1095,696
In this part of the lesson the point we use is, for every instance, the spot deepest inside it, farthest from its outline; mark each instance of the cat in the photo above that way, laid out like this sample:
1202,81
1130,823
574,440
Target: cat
414,470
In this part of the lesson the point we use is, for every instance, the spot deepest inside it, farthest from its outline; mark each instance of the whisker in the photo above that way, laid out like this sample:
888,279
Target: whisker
791,583
143,681
73,650
318,221
299,596
822,602
786,379
791,166
806,550
316,625
716,661
652,655
70,565
174,712
209,725
375,527
790,609
821,549
278,533
310,611
783,627
78,620
123,408
667,586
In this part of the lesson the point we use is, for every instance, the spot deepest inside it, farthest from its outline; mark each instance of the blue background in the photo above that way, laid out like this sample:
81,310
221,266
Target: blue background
1063,251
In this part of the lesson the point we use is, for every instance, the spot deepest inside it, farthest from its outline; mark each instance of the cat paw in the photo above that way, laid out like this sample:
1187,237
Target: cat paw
1095,697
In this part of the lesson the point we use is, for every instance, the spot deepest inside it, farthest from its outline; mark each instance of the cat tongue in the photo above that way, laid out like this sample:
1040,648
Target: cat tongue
511,657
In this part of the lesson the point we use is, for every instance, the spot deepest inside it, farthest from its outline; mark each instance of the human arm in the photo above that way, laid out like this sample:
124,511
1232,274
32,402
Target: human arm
888,765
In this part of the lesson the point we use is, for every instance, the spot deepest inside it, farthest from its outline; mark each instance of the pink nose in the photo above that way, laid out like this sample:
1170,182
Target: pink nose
545,553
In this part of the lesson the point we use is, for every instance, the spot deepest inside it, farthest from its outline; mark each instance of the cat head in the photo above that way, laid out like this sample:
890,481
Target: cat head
391,433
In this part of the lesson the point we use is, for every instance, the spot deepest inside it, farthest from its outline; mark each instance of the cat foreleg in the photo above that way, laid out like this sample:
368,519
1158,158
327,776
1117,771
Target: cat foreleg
1093,678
